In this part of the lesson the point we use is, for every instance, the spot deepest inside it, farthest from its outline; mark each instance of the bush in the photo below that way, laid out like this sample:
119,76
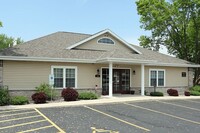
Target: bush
156,94
87,96
4,96
186,93
172,92
195,88
19,100
47,89
39,97
69,94
194,93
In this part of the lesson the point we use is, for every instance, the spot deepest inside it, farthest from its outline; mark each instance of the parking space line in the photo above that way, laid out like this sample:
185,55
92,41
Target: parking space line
123,121
179,105
192,101
17,114
22,124
46,118
9,111
35,129
155,111
15,119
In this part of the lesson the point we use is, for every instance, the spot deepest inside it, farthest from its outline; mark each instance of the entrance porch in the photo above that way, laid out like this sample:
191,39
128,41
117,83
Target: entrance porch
118,80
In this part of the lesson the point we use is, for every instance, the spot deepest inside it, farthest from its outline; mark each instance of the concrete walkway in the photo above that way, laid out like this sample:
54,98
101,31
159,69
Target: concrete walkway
102,100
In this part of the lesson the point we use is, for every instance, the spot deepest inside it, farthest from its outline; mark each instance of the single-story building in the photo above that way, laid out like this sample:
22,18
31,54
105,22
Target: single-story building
82,61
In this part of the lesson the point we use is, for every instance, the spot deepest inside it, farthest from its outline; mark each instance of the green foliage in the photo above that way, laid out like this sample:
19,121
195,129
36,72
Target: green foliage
4,96
173,24
6,41
47,89
1,24
87,96
195,88
156,94
194,93
19,100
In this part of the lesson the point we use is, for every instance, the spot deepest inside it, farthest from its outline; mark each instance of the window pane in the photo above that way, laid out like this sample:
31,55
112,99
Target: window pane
105,79
58,82
70,77
160,78
106,40
58,77
153,78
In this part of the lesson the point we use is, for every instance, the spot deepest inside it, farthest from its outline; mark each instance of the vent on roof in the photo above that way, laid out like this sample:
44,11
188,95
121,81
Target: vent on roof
106,40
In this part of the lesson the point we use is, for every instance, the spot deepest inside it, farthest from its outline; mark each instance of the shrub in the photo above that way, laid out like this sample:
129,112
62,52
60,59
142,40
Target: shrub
47,89
156,94
195,88
194,93
87,96
4,96
39,97
186,93
69,94
172,92
19,100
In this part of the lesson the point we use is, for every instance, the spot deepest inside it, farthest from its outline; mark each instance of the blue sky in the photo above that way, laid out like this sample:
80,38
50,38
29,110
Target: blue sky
30,19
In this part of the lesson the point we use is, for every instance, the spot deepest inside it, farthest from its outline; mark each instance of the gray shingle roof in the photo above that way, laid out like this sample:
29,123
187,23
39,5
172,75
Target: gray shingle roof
54,46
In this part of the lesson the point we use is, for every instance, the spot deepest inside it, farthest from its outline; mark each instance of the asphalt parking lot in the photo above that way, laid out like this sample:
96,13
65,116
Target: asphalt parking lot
163,116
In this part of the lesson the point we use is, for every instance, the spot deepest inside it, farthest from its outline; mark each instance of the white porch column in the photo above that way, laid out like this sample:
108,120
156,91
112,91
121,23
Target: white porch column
110,79
142,80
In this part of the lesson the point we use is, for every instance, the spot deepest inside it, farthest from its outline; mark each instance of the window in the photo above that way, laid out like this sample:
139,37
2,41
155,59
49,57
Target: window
157,77
183,74
106,41
64,76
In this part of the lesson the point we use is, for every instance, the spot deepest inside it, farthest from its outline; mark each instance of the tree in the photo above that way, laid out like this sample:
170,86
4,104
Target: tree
174,24
6,41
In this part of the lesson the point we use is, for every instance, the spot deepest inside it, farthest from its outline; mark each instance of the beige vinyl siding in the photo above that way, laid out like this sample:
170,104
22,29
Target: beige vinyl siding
22,75
173,77
92,44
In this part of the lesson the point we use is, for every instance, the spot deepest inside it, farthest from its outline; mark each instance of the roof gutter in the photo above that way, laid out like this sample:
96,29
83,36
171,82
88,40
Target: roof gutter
46,59
104,60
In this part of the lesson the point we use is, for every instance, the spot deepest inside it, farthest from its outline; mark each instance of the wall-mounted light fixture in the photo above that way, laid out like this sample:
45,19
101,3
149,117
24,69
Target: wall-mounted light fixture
98,71
133,72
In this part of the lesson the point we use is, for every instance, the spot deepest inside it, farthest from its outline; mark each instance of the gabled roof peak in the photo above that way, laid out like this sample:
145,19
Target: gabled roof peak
101,33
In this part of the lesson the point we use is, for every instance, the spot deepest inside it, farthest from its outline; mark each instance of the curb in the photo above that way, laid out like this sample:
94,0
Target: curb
102,100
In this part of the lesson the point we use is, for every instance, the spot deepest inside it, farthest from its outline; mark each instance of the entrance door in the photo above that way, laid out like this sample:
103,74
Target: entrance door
121,81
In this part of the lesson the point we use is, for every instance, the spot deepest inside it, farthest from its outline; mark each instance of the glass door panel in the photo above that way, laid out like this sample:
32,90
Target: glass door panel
116,81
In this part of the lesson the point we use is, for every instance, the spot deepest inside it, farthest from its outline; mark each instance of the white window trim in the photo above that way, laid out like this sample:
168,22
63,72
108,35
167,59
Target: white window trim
64,73
156,77
105,43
